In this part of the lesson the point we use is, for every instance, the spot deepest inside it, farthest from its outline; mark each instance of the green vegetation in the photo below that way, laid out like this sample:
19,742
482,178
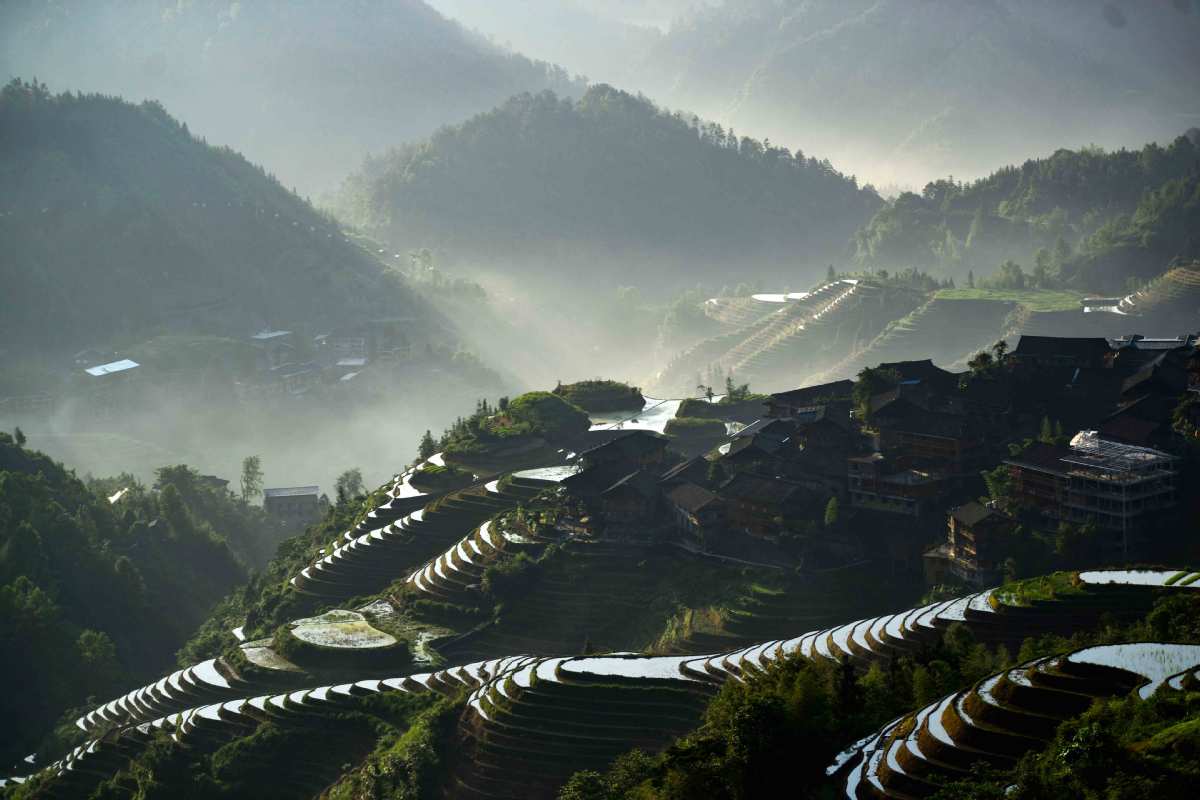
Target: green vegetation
1044,587
96,595
607,171
97,189
446,478
1085,219
1033,299
602,395
693,427
783,727
534,414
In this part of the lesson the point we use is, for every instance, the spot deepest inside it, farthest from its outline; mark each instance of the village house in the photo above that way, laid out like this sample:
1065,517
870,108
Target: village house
629,505
293,506
760,505
893,484
638,448
786,405
696,512
1058,351
906,429
974,550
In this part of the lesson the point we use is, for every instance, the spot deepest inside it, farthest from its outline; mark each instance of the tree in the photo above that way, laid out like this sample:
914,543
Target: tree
1000,348
19,436
1046,435
252,478
831,512
831,274
427,446
349,485
707,391
981,363
970,279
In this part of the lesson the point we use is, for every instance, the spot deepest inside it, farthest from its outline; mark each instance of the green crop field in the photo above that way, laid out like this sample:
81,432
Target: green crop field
1034,299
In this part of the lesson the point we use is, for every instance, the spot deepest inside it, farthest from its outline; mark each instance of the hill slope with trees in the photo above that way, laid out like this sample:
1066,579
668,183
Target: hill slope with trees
118,224
104,590
903,92
1087,218
608,176
304,88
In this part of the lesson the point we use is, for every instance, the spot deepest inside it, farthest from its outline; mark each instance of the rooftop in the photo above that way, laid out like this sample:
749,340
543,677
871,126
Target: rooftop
691,497
267,335
1080,347
971,513
811,395
1088,449
291,491
112,367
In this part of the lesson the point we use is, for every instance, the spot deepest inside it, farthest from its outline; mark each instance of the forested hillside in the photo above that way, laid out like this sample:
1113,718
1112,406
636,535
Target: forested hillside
105,590
1090,218
304,88
609,175
904,91
119,224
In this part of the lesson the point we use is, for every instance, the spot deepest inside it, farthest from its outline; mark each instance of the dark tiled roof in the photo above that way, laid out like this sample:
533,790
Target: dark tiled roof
694,467
777,429
971,513
837,413
811,395
691,497
751,446
641,481
759,489
628,443
903,416
1091,347
923,370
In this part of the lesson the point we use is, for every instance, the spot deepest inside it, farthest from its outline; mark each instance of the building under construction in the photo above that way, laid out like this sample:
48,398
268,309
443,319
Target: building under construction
1113,486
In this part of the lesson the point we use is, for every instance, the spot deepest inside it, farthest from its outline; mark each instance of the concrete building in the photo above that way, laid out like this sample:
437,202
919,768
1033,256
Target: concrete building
1114,486
293,506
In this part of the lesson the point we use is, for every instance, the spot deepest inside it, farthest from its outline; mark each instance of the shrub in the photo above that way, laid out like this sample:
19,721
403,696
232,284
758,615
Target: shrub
692,427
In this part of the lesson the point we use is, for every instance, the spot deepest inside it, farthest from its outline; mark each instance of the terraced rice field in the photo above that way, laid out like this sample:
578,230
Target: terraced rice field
1006,715
789,327
948,330
530,721
1177,289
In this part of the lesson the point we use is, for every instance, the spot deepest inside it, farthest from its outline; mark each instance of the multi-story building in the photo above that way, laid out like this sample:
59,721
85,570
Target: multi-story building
1113,486
880,483
974,548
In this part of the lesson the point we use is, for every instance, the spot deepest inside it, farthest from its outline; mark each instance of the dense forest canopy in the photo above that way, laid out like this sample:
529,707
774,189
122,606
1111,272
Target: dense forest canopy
117,222
609,175
96,594
305,88
1086,217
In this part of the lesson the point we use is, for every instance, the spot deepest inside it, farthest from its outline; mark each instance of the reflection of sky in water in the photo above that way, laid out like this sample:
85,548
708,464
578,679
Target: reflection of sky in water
652,417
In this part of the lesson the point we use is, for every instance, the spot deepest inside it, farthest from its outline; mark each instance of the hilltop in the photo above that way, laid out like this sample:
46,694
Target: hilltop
120,224
903,93
608,179
304,88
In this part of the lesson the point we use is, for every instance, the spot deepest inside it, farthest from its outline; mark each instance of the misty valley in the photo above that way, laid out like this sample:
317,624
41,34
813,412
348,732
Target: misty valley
579,400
